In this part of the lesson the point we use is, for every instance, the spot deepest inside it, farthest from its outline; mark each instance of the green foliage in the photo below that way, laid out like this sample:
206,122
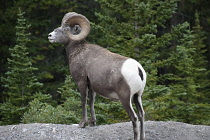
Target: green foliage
70,97
69,89
183,99
66,113
108,112
202,75
40,112
20,83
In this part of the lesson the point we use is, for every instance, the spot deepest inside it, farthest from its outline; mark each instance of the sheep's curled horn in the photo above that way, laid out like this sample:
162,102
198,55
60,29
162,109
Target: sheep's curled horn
71,19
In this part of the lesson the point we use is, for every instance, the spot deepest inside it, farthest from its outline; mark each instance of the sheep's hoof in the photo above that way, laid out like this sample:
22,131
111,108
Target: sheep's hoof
142,138
82,124
92,123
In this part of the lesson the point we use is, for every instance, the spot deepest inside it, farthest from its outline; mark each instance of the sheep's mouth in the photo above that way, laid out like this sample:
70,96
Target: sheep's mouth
51,40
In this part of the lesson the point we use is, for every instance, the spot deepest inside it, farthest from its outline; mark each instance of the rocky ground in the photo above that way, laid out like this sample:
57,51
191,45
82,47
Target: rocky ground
120,131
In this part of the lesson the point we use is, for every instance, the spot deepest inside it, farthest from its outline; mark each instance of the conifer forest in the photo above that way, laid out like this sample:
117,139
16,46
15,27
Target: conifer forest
170,38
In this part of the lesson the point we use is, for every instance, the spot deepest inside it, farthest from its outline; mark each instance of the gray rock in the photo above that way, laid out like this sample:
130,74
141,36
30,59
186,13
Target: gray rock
119,131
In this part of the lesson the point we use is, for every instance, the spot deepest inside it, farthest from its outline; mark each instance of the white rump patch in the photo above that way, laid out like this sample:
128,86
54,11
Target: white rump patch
130,71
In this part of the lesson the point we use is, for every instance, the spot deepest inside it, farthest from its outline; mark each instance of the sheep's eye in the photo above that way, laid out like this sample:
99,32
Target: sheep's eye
76,28
65,29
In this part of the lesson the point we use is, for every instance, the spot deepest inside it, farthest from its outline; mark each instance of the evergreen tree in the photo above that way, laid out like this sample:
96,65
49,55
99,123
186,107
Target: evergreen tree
202,75
186,99
182,84
199,37
71,99
20,83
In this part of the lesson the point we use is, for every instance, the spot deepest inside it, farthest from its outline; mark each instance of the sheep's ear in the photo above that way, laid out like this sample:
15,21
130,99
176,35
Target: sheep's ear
76,29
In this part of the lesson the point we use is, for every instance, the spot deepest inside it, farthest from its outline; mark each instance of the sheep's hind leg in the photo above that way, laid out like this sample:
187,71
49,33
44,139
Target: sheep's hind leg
138,103
92,121
134,118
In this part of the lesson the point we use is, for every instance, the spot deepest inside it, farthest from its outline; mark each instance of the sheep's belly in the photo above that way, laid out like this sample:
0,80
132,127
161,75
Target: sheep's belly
112,95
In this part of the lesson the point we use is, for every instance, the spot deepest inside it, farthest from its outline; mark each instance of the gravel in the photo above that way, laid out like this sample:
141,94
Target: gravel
155,130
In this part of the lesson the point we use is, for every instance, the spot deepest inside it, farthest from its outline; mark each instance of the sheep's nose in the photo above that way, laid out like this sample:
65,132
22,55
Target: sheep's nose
49,35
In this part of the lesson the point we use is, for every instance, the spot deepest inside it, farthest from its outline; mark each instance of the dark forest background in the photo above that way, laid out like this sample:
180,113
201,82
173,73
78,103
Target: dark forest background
170,38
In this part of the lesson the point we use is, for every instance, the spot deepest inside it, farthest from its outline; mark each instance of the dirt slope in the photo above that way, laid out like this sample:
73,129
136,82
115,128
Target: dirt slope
120,131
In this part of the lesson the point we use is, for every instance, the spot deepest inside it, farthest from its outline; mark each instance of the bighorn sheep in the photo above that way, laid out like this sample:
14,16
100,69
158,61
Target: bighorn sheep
97,70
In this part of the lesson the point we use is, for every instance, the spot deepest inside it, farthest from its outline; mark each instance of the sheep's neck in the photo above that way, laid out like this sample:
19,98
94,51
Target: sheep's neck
74,48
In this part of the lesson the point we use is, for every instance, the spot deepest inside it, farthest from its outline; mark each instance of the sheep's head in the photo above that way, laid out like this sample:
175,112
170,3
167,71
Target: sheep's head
74,27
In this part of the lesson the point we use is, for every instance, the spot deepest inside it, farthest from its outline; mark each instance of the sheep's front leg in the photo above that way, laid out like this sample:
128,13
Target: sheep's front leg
92,121
83,91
